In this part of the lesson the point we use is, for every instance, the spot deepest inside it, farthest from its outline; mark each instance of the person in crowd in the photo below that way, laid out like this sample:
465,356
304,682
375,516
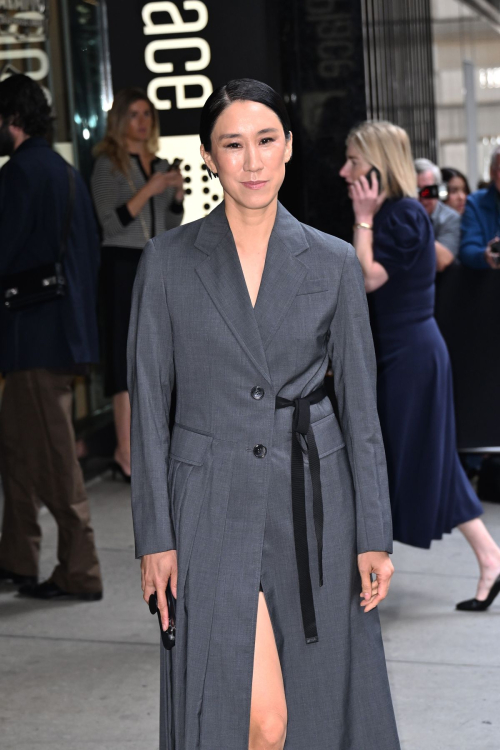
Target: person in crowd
394,241
249,304
457,187
481,223
136,195
42,348
445,220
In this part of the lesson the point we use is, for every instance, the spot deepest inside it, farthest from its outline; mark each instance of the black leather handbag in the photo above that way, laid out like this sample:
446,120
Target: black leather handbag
167,636
34,286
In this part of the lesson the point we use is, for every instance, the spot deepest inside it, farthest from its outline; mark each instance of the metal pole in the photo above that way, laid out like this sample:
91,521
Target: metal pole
105,58
471,122
70,80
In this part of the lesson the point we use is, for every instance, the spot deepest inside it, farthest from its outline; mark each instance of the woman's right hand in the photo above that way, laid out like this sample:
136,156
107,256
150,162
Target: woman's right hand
492,259
156,569
160,181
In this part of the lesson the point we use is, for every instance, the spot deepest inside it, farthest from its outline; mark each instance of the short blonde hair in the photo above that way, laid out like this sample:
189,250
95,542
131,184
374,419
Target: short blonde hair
114,143
387,147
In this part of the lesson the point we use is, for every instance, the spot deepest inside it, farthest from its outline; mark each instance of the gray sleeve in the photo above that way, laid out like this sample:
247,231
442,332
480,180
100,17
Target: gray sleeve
105,191
150,357
448,233
354,370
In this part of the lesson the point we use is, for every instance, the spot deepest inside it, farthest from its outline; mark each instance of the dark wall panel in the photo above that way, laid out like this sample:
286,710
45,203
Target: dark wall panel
345,61
398,68
467,312
323,78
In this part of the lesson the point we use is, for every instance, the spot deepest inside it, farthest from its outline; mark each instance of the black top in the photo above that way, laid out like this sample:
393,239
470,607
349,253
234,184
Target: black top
403,242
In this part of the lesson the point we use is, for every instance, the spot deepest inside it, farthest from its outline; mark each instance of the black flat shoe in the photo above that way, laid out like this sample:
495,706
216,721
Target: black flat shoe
10,577
474,605
49,590
117,469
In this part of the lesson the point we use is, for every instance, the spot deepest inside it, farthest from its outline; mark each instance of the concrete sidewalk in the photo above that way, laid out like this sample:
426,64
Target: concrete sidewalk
76,676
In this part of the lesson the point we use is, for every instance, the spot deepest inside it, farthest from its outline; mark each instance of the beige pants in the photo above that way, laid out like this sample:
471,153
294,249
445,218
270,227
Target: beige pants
38,463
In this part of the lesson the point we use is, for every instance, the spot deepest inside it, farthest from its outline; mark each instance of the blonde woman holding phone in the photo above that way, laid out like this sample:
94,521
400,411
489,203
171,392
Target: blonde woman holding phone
136,195
394,241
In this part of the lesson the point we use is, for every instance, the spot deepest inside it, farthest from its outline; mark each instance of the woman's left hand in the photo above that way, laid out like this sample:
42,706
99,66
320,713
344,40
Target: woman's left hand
372,592
365,199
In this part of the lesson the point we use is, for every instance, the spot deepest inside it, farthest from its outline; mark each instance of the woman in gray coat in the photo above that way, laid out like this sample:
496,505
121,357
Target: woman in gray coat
266,510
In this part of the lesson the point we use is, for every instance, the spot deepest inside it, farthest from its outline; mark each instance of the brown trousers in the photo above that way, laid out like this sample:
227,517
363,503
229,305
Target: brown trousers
38,463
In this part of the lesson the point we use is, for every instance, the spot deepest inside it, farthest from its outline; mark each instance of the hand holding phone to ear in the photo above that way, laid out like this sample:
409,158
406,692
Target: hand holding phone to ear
366,196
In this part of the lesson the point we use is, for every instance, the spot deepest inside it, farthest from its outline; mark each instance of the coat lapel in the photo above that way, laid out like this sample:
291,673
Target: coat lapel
222,277
283,274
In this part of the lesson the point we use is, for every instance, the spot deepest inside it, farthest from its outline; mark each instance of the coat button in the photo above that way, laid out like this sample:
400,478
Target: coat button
259,451
257,393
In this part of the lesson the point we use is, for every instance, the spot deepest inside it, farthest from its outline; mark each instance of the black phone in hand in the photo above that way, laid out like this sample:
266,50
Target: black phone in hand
374,172
175,164
168,635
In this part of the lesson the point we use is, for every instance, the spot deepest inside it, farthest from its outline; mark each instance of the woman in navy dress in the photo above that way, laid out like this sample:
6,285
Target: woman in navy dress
430,493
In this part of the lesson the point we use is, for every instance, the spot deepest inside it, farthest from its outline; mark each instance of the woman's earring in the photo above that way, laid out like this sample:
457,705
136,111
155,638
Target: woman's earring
209,171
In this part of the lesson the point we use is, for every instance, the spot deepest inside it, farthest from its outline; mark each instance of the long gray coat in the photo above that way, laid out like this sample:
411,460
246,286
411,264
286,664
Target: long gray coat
203,492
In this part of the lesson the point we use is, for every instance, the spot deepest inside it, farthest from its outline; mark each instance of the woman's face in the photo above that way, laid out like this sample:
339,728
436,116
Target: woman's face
249,153
356,165
139,122
457,194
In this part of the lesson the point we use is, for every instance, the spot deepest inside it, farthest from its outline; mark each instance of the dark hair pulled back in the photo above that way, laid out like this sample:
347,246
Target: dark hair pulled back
244,90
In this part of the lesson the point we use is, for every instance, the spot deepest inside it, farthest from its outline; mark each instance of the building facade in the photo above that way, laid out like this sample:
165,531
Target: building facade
336,63
466,32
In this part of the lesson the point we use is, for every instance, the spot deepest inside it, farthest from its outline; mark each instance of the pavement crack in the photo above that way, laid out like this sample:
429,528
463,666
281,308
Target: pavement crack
442,664
53,638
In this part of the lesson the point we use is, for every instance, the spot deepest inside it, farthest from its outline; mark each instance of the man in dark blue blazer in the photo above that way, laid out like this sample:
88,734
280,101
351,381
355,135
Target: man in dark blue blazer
42,348
481,222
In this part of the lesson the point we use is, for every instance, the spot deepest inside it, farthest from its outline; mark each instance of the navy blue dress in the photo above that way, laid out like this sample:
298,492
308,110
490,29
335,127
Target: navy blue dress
430,493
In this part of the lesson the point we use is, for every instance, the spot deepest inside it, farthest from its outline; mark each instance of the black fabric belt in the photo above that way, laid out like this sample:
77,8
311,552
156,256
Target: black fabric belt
302,426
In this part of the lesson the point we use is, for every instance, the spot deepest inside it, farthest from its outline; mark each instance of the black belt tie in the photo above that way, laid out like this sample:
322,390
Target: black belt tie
302,426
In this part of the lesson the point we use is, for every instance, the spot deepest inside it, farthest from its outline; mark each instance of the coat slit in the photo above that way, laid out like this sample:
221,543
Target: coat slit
230,515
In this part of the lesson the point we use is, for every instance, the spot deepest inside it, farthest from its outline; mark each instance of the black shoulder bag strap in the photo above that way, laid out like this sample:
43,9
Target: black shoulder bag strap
69,214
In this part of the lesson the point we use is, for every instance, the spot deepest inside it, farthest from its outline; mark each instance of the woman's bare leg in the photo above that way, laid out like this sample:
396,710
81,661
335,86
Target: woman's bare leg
268,712
121,408
487,553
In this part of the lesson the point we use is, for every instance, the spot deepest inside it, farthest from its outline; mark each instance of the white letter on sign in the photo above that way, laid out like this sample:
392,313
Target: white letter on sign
180,83
29,54
178,26
167,67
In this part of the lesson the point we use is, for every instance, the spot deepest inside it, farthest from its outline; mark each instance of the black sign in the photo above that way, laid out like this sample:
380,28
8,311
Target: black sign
180,51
